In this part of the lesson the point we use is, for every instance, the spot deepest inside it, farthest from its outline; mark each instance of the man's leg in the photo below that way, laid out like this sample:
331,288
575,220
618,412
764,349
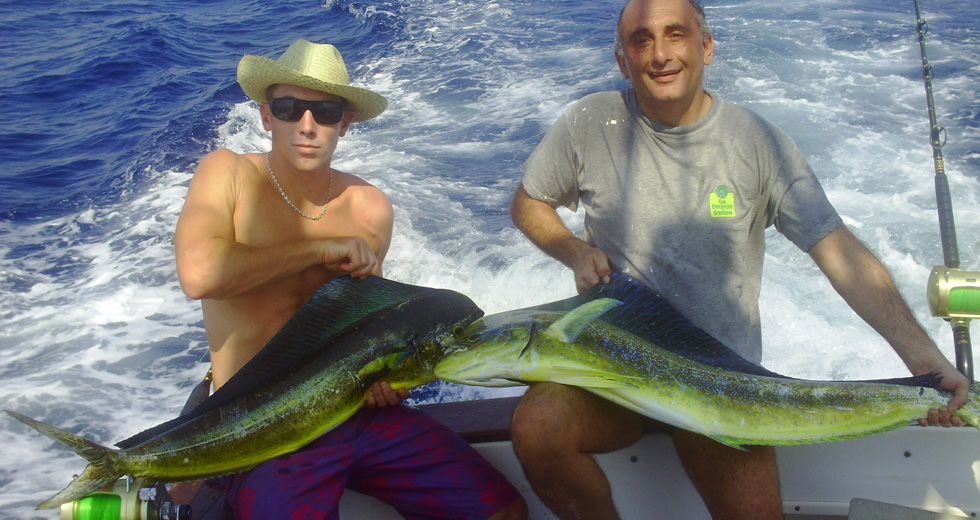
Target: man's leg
556,428
426,471
734,484
306,483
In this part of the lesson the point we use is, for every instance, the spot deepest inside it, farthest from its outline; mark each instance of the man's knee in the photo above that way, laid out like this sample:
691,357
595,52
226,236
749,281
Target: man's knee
541,421
553,419
516,510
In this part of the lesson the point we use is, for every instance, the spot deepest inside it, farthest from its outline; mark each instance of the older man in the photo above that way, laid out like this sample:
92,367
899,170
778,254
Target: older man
678,188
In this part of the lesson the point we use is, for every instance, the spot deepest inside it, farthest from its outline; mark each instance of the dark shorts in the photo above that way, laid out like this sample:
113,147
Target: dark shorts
397,454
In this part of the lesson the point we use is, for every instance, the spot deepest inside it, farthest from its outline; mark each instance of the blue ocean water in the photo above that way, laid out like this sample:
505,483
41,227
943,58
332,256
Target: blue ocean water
108,105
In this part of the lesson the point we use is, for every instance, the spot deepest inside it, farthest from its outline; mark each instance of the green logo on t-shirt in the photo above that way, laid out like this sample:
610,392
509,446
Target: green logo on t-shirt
722,203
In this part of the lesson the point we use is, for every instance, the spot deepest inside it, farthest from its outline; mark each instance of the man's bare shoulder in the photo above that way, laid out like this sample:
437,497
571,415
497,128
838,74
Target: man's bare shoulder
226,161
363,197
224,174
370,211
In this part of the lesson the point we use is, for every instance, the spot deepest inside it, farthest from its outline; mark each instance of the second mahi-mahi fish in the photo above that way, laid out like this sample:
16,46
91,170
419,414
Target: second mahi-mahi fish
309,378
628,345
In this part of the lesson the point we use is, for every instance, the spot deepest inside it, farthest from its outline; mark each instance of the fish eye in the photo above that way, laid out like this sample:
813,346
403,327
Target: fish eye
457,330
475,337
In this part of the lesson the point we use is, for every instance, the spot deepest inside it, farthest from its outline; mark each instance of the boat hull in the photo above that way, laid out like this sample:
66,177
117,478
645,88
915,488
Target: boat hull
933,469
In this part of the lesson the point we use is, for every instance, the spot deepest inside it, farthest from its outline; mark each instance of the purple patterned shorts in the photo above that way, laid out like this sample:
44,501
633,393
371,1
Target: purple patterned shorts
395,453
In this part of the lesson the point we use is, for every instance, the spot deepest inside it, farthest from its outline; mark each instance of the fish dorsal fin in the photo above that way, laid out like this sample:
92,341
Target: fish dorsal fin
651,317
568,327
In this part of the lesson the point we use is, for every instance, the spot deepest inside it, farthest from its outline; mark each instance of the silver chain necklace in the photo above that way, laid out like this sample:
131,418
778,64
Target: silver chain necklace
283,193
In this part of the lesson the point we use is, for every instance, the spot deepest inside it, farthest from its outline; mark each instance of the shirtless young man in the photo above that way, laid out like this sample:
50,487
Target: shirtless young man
258,235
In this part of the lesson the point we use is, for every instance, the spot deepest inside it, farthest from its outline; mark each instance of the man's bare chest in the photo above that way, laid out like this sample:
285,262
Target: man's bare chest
263,217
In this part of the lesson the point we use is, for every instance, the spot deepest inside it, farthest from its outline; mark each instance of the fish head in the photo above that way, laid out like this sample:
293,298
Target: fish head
488,351
437,321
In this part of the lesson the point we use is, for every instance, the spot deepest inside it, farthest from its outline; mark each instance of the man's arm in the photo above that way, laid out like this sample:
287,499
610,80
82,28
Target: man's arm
860,278
541,224
212,264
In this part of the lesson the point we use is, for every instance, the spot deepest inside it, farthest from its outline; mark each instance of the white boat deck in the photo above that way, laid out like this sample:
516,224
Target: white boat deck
932,469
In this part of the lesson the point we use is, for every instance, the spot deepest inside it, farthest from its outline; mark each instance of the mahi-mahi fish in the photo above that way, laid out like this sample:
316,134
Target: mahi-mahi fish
627,344
308,379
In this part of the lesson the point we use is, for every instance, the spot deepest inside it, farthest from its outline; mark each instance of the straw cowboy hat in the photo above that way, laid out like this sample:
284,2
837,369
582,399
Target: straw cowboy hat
316,66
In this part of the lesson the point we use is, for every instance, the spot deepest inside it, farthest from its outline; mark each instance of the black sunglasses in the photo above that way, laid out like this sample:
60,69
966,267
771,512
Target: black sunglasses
292,109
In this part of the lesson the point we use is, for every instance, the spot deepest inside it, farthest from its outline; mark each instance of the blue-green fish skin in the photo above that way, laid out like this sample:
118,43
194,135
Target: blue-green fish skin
288,411
734,408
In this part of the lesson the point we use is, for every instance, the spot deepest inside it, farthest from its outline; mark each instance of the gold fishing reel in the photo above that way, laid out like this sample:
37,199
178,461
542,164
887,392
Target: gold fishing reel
953,293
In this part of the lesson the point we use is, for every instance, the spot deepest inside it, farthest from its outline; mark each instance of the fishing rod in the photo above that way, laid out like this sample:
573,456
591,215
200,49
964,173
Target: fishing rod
953,294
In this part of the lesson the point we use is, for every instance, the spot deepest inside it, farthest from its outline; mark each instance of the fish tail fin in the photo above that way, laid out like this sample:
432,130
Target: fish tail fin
970,414
970,411
100,471
94,477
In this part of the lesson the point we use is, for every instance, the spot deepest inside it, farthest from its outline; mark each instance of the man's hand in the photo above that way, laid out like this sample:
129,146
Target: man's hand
590,266
957,383
349,255
380,394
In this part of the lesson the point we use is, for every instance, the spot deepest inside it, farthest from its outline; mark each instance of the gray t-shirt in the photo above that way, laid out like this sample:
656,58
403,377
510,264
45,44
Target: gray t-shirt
684,209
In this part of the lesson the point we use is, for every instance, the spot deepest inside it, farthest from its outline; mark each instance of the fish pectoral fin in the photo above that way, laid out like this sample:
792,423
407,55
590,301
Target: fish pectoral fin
530,339
728,441
568,327
383,363
590,378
